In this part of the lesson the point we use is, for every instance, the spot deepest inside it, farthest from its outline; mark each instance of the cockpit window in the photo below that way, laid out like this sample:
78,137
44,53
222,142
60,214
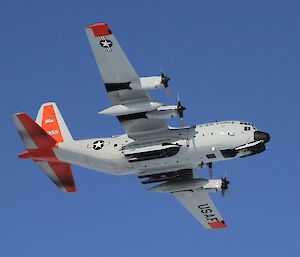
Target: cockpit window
247,124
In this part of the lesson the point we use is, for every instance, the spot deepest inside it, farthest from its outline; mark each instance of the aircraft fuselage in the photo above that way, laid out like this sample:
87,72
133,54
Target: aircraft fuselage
175,149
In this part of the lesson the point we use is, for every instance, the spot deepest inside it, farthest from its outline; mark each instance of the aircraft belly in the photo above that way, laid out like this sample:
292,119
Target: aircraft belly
109,160
185,158
72,157
93,154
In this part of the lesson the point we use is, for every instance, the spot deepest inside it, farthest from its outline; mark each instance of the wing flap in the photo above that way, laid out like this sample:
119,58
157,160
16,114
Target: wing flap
200,205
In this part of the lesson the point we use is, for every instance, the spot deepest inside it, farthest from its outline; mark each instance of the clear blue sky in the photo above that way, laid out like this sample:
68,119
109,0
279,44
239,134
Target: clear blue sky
228,59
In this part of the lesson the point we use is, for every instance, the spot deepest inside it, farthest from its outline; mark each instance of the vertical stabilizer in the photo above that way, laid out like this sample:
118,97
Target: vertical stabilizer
51,120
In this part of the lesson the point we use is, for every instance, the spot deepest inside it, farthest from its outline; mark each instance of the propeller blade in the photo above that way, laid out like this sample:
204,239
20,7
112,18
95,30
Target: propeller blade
178,97
210,170
168,91
224,185
223,192
180,110
181,122
165,81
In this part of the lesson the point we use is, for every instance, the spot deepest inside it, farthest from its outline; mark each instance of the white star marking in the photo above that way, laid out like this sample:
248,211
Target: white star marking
105,43
98,145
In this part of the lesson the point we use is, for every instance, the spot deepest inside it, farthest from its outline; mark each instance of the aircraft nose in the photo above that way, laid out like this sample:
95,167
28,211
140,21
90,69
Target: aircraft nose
259,135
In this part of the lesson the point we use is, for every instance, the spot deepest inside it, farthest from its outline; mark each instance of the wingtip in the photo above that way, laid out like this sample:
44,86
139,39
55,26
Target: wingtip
15,116
68,188
218,224
100,29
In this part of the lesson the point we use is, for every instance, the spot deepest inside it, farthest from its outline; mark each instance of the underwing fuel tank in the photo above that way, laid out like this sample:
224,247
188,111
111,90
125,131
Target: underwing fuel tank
190,184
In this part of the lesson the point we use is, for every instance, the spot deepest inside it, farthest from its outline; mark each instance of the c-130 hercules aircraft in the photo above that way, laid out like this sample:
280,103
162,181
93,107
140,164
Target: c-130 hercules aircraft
154,151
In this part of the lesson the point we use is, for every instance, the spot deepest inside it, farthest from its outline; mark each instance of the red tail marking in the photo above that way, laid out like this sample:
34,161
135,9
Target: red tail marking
217,224
100,29
25,155
38,135
40,155
64,173
50,123
45,144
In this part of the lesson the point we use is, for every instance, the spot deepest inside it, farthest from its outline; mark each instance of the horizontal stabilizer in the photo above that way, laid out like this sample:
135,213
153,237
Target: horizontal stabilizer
61,175
39,147
31,133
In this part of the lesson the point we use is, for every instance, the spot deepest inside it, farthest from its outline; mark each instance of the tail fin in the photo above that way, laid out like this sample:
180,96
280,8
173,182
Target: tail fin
39,147
51,120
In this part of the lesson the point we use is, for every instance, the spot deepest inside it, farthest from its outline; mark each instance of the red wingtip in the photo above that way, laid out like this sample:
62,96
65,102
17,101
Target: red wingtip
100,29
71,189
25,155
217,224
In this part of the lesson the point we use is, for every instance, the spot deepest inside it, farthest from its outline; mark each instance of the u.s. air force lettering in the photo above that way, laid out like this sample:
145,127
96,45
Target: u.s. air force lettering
207,212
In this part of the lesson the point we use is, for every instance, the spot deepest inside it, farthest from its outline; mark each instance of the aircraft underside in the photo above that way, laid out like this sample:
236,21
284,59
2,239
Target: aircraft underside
151,149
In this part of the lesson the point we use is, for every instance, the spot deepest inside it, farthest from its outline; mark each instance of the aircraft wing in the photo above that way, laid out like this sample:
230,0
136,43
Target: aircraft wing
117,74
200,205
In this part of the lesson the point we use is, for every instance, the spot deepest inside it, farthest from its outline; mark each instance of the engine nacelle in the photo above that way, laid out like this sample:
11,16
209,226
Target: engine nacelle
147,83
130,108
162,114
211,185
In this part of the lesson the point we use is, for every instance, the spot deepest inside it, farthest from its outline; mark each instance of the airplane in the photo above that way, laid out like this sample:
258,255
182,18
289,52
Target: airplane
155,152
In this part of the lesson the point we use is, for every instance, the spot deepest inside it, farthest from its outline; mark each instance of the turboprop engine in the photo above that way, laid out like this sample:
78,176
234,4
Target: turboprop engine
209,185
153,82
190,184
151,110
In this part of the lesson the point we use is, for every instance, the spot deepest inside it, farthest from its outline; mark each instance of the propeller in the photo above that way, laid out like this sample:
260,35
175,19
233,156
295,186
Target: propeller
165,81
210,170
224,185
180,109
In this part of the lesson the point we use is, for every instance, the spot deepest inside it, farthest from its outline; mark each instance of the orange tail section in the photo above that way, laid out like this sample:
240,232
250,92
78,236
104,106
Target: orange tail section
51,120
40,142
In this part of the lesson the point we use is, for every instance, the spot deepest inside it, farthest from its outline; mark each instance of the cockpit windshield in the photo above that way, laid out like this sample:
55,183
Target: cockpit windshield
246,125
